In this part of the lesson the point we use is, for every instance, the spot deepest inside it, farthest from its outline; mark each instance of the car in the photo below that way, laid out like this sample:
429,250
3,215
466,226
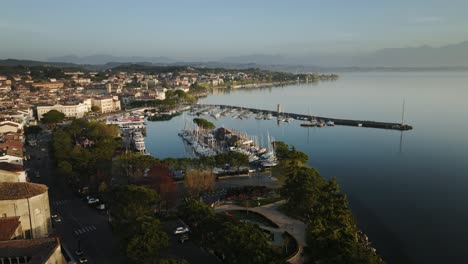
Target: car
43,149
101,207
37,174
79,252
83,260
181,230
57,219
184,238
93,200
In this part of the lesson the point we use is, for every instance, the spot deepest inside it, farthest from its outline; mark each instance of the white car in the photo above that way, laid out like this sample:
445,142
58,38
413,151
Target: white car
101,207
93,200
181,230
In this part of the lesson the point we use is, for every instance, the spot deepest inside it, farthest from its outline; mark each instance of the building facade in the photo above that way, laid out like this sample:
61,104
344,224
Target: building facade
29,202
70,110
107,104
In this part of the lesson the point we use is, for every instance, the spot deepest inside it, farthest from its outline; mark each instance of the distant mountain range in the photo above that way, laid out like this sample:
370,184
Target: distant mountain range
454,55
100,59
449,57
424,56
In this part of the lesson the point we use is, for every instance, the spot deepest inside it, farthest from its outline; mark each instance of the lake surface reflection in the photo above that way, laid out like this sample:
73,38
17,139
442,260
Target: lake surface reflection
409,192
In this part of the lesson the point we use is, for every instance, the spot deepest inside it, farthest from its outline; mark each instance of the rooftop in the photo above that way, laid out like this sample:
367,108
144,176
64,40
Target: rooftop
11,167
8,226
20,190
37,251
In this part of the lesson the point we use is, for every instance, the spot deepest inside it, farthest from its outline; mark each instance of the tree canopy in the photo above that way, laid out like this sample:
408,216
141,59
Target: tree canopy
203,123
332,234
53,117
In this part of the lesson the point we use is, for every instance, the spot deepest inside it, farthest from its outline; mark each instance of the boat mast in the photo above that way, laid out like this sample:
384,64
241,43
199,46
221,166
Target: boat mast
403,113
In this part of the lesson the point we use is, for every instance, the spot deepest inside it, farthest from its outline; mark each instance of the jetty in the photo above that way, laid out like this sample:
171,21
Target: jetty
336,121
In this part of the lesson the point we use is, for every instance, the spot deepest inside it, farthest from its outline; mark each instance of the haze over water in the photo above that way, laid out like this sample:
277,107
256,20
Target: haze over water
411,201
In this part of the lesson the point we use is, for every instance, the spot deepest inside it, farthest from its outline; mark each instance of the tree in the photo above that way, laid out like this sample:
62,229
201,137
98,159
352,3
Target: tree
61,145
203,123
301,190
242,242
132,202
197,181
173,261
95,108
145,240
53,117
195,212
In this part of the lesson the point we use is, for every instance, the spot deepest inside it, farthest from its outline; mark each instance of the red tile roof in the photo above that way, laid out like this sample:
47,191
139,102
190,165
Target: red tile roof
20,190
38,251
6,166
8,226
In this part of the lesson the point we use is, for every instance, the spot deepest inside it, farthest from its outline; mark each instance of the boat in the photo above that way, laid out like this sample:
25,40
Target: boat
330,123
138,141
312,123
259,116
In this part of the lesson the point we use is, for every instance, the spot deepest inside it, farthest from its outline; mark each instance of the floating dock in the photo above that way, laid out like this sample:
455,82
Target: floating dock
337,121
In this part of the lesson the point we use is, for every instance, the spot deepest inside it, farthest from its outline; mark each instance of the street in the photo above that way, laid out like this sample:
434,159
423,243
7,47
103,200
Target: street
188,250
80,225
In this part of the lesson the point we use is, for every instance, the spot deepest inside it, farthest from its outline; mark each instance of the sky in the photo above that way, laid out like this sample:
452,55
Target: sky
207,30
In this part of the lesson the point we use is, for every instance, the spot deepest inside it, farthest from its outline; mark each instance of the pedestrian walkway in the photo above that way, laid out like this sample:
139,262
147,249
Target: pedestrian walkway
295,227
84,230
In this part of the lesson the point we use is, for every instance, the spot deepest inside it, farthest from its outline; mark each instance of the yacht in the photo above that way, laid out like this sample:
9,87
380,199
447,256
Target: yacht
330,123
138,141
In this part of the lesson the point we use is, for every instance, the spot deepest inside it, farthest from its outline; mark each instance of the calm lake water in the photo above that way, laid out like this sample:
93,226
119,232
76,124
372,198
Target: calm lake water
410,198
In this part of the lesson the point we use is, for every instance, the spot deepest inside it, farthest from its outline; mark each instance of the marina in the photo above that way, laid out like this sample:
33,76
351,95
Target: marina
212,142
310,121
132,129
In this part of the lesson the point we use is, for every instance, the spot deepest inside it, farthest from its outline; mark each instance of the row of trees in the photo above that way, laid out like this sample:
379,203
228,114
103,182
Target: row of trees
142,238
332,233
203,123
231,240
83,152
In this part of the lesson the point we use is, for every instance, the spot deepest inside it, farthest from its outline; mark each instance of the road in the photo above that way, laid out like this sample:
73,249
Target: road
80,224
188,250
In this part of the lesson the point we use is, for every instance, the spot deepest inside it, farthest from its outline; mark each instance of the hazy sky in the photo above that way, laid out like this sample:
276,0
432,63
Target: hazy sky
213,29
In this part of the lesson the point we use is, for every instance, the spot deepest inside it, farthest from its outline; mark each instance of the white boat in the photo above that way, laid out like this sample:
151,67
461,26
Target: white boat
138,141
259,116
330,123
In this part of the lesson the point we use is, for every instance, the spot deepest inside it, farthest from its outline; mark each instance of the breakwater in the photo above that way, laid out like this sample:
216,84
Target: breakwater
337,121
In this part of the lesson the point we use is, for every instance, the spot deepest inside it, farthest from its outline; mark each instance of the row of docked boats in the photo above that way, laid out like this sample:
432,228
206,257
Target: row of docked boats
132,129
317,123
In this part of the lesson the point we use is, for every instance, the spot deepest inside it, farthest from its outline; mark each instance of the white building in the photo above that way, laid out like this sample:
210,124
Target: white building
70,110
107,104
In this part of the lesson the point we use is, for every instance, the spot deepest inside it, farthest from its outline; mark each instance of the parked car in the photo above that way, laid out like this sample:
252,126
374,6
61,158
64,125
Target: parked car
93,200
184,238
83,260
101,207
79,252
181,230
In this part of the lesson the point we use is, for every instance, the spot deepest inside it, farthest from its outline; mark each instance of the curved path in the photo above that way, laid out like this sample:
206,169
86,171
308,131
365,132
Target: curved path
295,227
